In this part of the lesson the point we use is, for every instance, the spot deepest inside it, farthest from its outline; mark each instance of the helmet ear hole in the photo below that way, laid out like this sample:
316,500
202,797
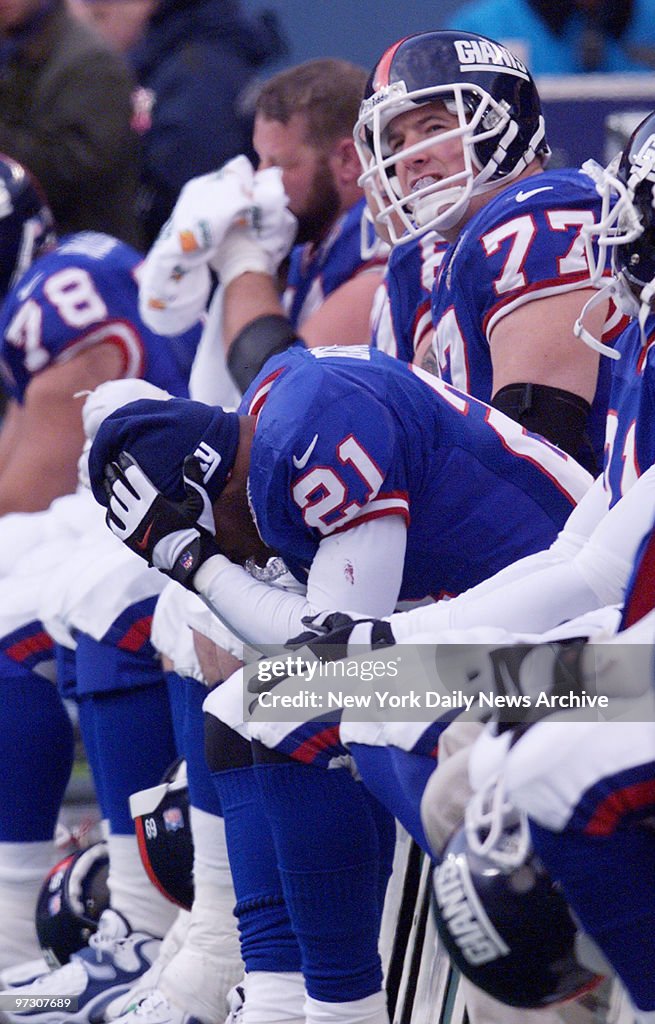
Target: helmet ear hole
72,898
509,932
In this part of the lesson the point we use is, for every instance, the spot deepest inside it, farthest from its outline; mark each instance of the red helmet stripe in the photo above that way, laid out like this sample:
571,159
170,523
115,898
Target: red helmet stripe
382,70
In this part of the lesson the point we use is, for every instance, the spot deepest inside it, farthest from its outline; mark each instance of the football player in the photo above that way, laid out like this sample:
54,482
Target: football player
303,125
303,137
590,564
347,454
69,322
452,139
587,806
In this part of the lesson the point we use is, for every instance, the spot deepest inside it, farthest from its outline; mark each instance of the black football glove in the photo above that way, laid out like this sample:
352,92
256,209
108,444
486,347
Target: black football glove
175,537
329,637
529,670
336,635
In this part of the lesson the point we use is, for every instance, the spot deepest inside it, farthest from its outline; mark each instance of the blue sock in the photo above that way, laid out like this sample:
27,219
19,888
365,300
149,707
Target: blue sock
397,779
267,939
328,853
609,882
129,741
268,942
36,754
385,824
186,698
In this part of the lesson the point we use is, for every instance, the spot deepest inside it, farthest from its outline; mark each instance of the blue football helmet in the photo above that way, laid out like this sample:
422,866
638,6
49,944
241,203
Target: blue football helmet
499,121
162,819
26,222
72,898
505,924
625,230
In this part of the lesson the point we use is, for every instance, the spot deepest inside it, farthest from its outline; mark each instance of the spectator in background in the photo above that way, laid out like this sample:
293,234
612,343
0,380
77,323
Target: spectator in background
195,61
567,37
65,111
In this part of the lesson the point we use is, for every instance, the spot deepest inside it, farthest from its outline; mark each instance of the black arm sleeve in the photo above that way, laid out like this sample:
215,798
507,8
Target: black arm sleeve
262,338
560,416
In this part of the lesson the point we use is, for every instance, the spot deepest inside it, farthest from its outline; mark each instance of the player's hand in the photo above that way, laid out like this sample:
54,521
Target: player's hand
209,205
258,241
336,635
529,670
176,537
271,222
205,210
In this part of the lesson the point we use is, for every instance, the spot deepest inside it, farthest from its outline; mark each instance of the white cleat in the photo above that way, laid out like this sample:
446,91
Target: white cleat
80,991
156,1009
22,974
148,982
127,1001
236,998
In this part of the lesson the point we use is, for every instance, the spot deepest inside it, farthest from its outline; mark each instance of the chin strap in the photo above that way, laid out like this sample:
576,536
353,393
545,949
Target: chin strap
609,291
495,828
638,309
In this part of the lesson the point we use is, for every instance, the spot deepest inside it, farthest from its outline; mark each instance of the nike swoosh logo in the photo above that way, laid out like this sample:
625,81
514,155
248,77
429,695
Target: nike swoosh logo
143,543
522,196
304,458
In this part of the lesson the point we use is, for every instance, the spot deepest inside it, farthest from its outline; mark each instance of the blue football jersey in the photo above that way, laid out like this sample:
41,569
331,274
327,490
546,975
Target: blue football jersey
524,244
630,434
317,271
403,317
345,435
83,293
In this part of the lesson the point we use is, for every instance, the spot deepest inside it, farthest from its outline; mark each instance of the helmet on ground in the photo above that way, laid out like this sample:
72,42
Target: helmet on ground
163,831
508,929
72,898
498,119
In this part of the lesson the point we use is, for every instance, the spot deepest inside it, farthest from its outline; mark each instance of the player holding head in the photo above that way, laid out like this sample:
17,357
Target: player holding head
336,456
303,139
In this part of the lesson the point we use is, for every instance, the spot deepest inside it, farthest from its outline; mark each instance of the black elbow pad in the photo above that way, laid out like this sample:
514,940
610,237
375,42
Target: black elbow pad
262,338
560,416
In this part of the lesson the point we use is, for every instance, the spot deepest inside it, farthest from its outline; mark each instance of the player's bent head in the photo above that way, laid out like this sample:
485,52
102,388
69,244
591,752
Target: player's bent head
159,435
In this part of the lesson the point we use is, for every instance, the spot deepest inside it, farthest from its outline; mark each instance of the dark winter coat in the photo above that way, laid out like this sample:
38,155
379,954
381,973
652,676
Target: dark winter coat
196,66
65,112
